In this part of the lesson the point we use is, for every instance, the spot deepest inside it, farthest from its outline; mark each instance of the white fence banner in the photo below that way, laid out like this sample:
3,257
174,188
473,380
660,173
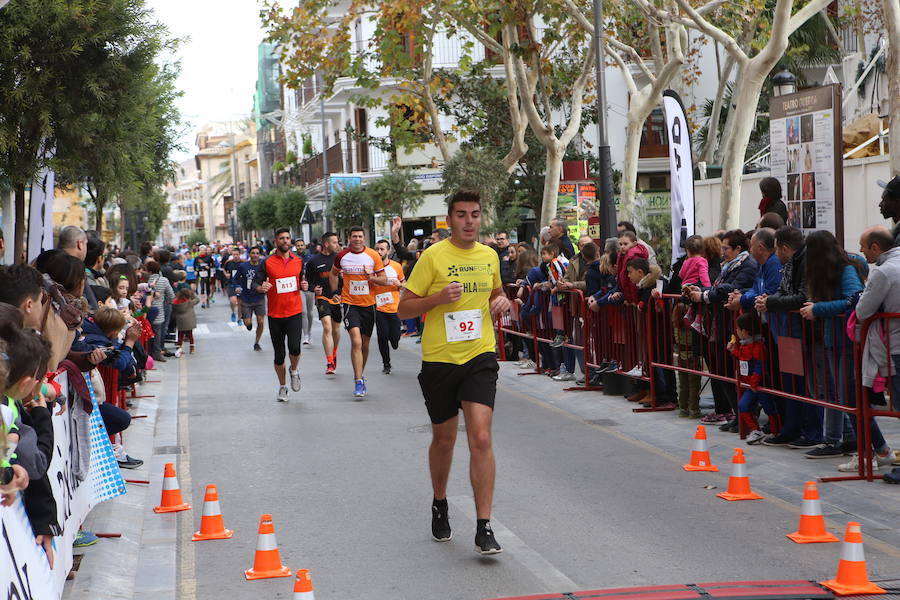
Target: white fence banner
25,572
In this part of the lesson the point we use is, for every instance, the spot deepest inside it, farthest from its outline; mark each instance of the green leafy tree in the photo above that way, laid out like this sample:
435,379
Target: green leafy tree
395,193
198,236
245,215
60,63
289,207
351,206
265,210
479,169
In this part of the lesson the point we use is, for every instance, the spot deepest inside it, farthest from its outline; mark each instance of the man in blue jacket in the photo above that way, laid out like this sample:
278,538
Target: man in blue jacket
768,277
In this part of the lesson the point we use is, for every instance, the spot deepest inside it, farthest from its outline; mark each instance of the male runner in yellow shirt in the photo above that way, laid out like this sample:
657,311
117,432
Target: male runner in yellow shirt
457,283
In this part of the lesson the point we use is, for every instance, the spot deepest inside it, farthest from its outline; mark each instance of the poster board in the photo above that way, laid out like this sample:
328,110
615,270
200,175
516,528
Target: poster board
576,203
807,157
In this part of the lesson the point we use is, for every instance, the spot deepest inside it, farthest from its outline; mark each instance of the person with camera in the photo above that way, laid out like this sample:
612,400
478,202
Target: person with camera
100,337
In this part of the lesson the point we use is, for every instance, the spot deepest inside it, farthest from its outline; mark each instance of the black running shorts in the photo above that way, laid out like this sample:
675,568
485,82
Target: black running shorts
248,309
446,386
362,317
327,309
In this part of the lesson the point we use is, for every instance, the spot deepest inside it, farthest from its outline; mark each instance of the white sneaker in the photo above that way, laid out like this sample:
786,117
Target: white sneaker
178,353
755,437
282,394
528,364
885,460
563,376
519,363
306,342
637,371
295,381
852,465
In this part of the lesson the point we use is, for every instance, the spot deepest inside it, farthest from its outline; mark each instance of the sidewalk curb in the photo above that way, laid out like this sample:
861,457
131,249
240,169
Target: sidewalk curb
141,563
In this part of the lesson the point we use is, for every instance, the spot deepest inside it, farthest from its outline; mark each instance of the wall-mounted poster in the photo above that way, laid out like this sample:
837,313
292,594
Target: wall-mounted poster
805,136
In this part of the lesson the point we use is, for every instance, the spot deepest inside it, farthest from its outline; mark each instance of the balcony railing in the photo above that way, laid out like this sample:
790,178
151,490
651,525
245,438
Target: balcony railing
313,169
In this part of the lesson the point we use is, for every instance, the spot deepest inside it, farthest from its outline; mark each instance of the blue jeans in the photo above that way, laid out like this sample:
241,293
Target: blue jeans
751,398
570,355
801,419
834,378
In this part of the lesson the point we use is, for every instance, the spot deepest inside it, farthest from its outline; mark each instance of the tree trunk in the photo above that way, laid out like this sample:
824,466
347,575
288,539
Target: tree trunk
737,91
99,204
712,128
552,175
892,25
19,253
630,168
436,129
733,165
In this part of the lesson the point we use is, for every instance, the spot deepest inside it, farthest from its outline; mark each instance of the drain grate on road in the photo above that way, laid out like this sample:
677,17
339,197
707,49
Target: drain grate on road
168,450
427,428
602,422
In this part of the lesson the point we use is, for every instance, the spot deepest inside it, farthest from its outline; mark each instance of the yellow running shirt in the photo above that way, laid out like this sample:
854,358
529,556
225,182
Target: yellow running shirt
456,333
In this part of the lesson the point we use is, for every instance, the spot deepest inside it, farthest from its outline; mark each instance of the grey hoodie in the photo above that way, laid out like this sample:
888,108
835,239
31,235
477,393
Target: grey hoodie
882,294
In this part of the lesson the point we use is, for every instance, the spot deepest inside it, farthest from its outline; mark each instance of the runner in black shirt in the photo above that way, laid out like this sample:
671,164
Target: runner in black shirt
205,267
229,266
328,301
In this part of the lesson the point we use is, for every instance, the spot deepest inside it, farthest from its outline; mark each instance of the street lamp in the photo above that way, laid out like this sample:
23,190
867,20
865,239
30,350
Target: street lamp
784,82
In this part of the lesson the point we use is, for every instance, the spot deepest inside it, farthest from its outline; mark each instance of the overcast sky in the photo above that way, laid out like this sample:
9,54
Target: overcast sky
218,59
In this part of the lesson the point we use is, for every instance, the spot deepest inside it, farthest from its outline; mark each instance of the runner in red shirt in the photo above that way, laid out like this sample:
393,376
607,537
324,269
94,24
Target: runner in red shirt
280,277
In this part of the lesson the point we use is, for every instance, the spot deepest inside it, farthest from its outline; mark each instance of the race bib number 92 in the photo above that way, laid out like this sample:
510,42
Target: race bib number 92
463,325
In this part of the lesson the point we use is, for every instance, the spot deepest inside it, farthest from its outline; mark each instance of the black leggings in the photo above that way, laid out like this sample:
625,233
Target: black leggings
388,327
286,327
206,285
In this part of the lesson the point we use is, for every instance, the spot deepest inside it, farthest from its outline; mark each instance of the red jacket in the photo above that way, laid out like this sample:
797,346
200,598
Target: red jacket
629,290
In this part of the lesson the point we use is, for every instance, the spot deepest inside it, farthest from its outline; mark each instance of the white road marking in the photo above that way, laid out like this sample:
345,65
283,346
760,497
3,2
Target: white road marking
514,547
202,329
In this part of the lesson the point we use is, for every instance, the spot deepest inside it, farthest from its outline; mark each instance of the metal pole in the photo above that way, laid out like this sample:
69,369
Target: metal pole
324,154
605,201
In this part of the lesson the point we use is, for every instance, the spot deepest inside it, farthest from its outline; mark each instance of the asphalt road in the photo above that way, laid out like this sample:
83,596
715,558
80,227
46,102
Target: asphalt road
577,505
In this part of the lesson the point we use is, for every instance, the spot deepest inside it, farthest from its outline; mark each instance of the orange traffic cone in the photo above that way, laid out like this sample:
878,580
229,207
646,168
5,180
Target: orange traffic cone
171,494
267,561
211,525
739,483
700,453
303,588
812,523
851,576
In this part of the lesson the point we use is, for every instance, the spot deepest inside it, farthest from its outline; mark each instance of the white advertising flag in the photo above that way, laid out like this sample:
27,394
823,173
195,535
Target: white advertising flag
40,214
681,166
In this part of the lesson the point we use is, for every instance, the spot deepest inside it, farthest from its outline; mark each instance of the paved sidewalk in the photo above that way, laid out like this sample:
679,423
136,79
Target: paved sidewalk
141,563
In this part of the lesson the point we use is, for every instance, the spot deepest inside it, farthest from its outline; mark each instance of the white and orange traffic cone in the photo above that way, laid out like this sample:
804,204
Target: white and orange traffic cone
303,587
171,494
700,453
812,524
851,576
267,560
739,483
212,527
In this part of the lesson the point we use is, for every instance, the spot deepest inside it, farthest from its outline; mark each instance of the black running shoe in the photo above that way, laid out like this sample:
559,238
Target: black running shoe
778,440
257,347
386,369
440,525
485,543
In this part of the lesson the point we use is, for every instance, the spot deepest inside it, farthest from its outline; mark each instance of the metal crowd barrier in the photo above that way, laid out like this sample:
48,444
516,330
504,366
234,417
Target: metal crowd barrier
810,362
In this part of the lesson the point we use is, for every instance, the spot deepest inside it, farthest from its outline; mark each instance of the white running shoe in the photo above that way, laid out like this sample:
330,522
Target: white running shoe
563,376
282,394
295,381
852,465
528,364
637,371
755,437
